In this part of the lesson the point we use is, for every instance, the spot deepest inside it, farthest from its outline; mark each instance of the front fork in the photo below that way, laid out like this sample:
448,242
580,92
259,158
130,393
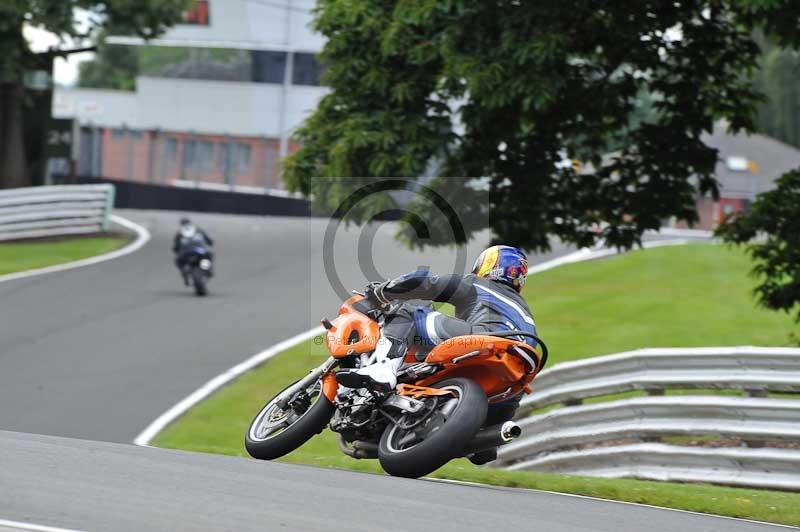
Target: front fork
329,384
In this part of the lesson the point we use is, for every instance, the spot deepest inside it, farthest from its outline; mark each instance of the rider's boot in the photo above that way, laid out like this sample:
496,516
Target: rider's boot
380,376
497,414
483,457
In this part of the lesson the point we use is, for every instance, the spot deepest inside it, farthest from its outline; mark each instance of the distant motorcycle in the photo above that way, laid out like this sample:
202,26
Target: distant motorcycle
199,268
435,414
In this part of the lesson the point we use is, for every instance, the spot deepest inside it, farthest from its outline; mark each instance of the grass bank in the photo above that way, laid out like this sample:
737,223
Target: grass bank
696,295
20,256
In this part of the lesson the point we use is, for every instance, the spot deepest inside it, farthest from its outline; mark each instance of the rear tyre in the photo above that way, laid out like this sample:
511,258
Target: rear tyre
276,431
420,450
199,282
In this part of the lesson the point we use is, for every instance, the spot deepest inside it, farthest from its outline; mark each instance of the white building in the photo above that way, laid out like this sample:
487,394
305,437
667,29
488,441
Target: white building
229,124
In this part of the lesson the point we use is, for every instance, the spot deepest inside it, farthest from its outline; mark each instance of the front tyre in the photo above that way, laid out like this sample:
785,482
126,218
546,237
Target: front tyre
277,431
414,450
199,281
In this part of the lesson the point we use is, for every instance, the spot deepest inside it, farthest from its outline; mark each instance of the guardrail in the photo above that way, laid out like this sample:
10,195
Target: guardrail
758,468
621,437
54,210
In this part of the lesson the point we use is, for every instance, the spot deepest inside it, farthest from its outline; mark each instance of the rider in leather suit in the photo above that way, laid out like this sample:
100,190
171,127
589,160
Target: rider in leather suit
488,299
187,234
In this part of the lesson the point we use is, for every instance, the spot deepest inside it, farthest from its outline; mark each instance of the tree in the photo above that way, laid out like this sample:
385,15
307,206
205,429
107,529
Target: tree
775,217
777,78
532,82
117,66
145,18
113,67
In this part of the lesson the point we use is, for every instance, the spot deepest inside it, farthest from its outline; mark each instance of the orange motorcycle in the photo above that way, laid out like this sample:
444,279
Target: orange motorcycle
435,414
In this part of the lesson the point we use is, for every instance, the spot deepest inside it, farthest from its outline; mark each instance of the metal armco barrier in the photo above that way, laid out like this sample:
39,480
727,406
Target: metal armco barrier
621,437
758,468
54,210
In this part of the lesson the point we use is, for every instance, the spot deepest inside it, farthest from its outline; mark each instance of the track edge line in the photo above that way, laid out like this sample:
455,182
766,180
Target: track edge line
615,501
160,423
22,525
142,237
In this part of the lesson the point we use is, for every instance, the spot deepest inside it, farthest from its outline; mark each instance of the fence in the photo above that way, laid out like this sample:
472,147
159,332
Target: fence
623,437
54,210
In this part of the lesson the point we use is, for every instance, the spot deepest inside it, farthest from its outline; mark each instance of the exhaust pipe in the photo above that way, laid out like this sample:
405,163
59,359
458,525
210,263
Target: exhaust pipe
494,436
360,450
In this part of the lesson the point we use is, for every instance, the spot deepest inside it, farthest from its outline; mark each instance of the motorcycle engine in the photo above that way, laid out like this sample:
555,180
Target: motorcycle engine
355,415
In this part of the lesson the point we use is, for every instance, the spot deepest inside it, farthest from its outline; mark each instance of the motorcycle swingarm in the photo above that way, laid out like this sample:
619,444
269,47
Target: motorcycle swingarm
408,397
415,392
404,403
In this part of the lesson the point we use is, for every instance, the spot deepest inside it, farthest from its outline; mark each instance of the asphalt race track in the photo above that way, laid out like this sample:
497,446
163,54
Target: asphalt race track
92,355
99,352
86,485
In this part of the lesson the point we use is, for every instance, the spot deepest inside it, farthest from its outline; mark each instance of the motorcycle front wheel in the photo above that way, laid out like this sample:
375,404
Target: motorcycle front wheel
199,281
414,448
277,431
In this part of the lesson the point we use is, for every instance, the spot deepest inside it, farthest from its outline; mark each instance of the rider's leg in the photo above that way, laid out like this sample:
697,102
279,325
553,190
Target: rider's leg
389,354
180,262
431,328
434,327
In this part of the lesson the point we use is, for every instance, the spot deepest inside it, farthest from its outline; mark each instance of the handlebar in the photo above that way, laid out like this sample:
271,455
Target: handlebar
367,307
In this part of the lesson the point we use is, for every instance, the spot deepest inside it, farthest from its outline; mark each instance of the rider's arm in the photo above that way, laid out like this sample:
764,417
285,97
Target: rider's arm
208,238
176,243
422,284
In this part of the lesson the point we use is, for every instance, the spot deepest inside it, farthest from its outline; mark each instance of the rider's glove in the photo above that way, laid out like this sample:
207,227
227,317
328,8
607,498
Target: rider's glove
374,293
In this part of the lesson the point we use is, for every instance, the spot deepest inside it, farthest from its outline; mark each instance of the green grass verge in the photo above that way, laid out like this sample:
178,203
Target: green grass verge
20,256
679,296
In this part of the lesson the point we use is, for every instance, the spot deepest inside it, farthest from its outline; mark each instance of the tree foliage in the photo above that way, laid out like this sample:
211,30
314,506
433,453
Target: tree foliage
117,66
506,89
774,221
113,67
145,18
779,79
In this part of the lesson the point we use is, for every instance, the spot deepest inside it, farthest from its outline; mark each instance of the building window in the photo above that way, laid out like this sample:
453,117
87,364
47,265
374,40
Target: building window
233,158
268,67
222,156
172,150
195,63
306,70
199,154
125,133
242,158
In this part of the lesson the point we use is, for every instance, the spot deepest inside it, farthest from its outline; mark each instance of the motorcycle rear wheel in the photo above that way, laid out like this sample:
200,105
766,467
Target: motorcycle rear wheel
416,452
275,432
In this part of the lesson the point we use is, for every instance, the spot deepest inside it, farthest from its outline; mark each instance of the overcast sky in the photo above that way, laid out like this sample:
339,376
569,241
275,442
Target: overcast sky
65,70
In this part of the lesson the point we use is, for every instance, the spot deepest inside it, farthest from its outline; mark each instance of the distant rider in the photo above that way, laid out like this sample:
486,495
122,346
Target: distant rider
488,299
188,235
